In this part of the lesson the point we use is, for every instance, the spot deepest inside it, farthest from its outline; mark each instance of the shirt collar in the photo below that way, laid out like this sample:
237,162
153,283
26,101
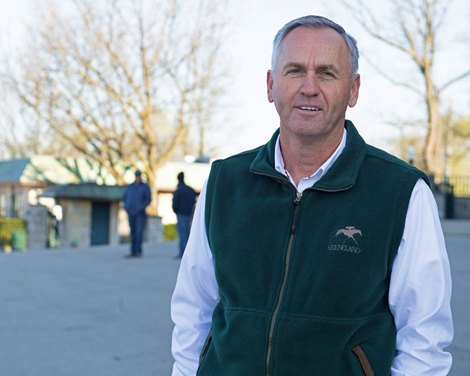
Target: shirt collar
308,181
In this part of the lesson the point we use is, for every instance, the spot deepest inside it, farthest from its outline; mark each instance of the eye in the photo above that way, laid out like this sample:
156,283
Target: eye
327,74
293,71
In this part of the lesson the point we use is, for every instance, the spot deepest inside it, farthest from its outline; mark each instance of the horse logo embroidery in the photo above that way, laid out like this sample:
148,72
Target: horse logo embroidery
349,232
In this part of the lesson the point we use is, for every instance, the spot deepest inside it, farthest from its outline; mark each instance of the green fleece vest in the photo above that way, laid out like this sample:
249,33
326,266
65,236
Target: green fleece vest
304,280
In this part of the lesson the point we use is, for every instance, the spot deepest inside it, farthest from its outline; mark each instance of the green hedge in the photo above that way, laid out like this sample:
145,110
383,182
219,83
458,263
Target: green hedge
13,233
169,232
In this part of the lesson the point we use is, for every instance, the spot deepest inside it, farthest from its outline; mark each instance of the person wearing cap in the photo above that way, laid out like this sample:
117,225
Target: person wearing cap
137,197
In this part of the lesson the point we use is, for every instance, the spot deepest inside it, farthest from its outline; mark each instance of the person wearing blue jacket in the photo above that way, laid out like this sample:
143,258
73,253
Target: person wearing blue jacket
137,197
184,199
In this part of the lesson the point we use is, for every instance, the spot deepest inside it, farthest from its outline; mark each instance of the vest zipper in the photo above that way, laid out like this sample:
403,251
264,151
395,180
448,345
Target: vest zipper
280,297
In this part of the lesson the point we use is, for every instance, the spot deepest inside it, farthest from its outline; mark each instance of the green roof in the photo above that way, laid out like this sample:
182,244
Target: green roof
86,191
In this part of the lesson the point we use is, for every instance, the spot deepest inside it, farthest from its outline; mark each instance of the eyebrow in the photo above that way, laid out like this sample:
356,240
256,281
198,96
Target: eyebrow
330,67
293,65
321,67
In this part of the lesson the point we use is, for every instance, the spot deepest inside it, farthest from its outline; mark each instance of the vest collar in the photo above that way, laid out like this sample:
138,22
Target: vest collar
342,174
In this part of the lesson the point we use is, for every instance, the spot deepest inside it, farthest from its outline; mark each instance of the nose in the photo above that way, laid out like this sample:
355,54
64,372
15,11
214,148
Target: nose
310,86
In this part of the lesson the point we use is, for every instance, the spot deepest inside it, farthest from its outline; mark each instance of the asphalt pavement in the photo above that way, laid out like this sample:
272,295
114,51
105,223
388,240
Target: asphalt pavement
91,312
75,312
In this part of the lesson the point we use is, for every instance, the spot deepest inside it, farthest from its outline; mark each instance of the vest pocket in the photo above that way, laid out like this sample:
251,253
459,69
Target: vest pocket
365,364
205,348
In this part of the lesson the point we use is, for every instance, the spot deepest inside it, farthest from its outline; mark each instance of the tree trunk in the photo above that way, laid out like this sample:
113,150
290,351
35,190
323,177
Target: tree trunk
432,153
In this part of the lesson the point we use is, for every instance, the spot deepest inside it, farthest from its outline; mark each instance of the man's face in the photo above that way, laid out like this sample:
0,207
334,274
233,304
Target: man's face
311,85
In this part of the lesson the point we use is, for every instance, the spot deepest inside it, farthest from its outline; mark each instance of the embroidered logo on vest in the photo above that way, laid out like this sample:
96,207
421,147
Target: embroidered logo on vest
346,240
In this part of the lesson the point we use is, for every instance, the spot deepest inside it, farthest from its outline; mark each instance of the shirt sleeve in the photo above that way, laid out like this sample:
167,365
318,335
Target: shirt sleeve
420,291
194,298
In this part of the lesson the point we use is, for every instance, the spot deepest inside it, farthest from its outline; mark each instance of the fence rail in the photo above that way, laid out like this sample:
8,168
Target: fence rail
460,184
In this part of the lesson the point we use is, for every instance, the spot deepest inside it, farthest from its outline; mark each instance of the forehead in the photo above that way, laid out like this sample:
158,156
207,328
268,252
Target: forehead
318,45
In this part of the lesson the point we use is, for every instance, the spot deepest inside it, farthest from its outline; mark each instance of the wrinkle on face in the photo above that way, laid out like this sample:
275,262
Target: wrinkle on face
313,69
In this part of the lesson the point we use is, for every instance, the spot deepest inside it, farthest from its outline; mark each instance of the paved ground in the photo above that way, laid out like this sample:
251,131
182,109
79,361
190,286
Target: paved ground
458,248
92,312
86,312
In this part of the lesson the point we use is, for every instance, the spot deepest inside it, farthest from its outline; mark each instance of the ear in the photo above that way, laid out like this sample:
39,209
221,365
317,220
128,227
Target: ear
354,94
269,85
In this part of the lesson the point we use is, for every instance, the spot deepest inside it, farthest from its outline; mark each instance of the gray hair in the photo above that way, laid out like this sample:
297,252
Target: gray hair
316,22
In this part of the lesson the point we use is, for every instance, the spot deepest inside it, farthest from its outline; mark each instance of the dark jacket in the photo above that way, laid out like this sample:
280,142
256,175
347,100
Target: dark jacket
137,197
184,199
304,280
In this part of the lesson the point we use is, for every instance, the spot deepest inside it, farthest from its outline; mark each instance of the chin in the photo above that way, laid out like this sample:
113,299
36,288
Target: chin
305,129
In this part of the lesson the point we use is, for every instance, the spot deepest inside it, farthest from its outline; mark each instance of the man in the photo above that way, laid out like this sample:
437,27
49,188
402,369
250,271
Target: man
137,197
315,254
184,199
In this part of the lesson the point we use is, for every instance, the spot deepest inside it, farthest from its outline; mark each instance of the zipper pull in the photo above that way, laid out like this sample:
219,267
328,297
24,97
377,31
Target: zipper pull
298,198
296,212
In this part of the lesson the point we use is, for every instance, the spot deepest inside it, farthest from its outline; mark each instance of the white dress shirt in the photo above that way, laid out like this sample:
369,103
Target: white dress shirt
419,297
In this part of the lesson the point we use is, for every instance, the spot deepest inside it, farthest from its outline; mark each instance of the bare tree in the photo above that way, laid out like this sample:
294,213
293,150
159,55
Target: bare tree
414,30
458,138
123,82
18,141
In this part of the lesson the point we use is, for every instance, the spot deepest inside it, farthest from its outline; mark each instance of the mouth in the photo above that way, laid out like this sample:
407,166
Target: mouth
309,108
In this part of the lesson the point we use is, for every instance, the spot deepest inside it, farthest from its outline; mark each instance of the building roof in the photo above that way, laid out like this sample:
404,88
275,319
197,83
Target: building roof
86,191
47,170
51,170
12,170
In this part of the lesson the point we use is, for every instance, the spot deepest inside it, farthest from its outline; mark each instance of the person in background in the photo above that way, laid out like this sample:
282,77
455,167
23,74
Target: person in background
137,197
316,253
184,199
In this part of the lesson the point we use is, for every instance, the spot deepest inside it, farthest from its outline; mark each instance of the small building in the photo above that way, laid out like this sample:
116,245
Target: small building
18,186
196,174
68,183
90,213
22,181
